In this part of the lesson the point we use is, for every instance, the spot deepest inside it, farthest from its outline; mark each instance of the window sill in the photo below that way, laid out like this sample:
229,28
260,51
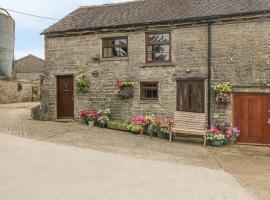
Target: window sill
114,59
149,101
158,65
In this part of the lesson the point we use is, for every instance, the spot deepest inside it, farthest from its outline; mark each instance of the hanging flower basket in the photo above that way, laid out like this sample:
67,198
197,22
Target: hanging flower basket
223,93
124,89
82,83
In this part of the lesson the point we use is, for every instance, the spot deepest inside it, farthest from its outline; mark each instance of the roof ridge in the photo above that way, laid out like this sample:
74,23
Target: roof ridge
112,4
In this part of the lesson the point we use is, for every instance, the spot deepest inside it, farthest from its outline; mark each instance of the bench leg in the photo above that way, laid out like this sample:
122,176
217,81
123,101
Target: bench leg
170,137
204,141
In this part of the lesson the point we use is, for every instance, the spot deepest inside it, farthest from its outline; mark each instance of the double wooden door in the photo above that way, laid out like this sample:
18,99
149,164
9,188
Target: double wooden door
65,96
190,96
251,114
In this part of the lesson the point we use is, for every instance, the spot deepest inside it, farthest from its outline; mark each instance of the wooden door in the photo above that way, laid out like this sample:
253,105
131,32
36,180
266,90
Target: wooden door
250,115
190,96
267,133
65,95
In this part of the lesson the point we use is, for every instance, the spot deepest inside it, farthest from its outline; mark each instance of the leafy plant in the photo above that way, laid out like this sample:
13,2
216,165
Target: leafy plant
82,83
222,92
135,128
223,132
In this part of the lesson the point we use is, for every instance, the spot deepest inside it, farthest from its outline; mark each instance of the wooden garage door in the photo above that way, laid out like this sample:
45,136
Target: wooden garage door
251,114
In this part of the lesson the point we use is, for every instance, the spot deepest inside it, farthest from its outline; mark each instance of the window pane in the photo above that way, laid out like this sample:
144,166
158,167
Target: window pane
149,91
123,42
163,37
107,52
120,51
115,48
114,42
158,52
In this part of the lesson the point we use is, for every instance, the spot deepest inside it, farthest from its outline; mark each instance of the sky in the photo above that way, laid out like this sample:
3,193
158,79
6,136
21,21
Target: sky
27,35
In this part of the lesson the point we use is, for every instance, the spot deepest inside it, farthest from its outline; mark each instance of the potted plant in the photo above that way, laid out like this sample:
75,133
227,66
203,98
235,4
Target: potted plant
230,133
135,129
140,121
124,89
215,137
103,121
103,117
82,83
222,93
148,129
161,127
92,117
83,116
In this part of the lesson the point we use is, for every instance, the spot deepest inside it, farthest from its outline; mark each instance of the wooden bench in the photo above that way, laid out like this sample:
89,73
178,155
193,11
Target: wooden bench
189,124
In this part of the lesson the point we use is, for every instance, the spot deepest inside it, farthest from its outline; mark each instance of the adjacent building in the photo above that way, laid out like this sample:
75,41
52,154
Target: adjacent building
29,67
173,50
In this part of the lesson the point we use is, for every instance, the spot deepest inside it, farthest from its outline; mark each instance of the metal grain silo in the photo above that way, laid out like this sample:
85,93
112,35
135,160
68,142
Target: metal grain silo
7,36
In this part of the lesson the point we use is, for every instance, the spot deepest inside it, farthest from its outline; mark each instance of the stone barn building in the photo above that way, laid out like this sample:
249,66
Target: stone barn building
174,51
29,68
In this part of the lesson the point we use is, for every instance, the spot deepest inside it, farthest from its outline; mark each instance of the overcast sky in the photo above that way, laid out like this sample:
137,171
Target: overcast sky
27,38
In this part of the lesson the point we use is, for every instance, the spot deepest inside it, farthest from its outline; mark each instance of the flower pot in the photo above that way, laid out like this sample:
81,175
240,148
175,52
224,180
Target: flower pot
91,123
103,125
142,131
217,143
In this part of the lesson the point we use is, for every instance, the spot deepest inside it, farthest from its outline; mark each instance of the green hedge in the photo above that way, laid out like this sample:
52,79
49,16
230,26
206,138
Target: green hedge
118,125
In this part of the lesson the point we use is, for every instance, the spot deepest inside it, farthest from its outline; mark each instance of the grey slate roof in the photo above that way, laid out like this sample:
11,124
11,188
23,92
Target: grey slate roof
153,11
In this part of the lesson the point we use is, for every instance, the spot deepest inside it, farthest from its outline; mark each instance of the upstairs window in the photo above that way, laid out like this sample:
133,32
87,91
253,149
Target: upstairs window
115,47
149,91
158,47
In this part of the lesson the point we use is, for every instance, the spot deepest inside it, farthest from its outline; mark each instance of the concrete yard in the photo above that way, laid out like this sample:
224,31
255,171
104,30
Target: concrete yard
53,160
38,170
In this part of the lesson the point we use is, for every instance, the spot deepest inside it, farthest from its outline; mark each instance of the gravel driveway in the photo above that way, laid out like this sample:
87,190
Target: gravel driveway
31,170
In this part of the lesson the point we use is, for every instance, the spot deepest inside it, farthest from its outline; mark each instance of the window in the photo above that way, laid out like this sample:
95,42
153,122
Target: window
158,47
115,47
19,87
149,91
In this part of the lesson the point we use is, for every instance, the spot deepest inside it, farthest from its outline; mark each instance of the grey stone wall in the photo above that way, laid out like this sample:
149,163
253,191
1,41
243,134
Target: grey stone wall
9,90
241,56
246,43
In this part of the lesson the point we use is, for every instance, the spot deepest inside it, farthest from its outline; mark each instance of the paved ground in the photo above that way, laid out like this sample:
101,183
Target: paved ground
250,165
31,170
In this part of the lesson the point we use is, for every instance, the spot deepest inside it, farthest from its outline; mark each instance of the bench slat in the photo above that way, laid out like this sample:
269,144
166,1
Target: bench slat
189,123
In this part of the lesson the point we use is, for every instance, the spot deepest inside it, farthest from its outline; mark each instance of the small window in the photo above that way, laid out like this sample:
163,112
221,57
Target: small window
115,47
158,47
19,87
149,91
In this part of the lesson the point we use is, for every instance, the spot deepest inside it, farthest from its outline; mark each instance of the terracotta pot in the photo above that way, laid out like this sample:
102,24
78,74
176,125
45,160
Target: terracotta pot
142,131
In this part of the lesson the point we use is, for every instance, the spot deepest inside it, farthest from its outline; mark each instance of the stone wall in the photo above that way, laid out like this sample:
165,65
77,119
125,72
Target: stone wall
241,56
9,92
239,53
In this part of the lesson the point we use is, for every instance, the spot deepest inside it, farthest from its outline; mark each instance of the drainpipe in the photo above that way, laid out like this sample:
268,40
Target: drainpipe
209,70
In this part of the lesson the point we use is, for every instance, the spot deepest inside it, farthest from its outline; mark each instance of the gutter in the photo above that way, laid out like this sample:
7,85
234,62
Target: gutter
209,71
187,20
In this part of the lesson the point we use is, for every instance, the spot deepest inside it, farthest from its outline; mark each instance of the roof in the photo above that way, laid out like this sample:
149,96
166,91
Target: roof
153,12
29,64
30,56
